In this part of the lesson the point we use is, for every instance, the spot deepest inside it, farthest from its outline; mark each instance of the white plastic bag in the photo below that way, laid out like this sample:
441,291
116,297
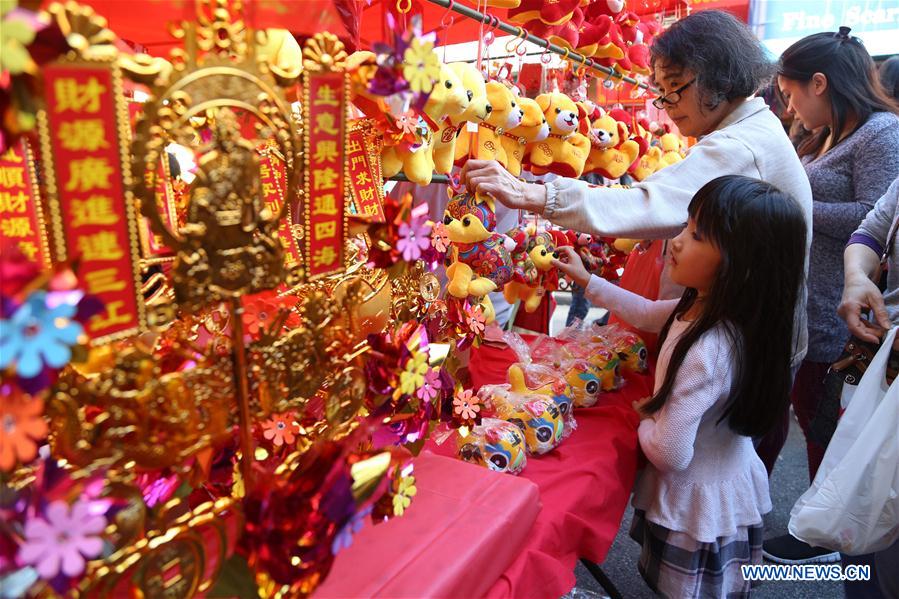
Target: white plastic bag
853,503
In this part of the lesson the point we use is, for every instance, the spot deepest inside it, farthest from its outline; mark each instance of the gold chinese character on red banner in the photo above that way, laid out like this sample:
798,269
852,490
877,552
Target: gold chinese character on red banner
13,201
324,256
78,97
324,178
111,317
83,134
325,96
89,173
100,246
104,279
325,151
325,204
325,122
94,210
12,176
325,230
17,226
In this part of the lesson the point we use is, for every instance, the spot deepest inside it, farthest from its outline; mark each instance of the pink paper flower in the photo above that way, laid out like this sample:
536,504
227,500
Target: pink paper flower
430,387
65,540
476,320
413,239
466,405
439,238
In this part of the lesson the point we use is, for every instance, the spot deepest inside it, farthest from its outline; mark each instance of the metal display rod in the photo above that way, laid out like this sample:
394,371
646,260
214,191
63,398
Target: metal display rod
493,22
435,178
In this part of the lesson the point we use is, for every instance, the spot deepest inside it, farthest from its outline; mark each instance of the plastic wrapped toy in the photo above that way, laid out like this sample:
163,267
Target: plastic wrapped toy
628,345
538,418
496,444
535,374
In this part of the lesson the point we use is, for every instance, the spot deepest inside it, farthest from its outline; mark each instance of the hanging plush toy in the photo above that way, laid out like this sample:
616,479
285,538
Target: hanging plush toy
591,250
533,128
478,110
479,261
650,160
505,114
549,13
534,274
612,151
671,147
415,159
565,151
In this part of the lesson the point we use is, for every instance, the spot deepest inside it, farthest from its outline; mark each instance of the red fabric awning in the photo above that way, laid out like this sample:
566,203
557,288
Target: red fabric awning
145,22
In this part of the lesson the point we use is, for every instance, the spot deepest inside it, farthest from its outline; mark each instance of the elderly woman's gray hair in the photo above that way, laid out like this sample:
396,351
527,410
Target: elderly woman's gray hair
728,61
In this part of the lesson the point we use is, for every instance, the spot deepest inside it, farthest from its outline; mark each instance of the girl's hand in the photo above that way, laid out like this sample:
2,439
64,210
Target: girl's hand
860,293
489,177
571,264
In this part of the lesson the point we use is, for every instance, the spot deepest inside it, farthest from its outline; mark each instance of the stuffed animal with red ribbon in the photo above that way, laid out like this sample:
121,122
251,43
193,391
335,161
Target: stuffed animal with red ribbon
534,275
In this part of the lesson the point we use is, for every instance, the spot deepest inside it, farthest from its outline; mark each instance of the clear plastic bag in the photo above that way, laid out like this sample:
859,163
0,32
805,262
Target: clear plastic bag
853,503
494,444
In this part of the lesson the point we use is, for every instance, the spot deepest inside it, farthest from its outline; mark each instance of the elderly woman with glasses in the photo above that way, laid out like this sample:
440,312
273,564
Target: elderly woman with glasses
707,68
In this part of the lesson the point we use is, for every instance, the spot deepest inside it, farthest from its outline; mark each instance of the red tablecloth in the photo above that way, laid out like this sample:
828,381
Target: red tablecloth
471,532
584,486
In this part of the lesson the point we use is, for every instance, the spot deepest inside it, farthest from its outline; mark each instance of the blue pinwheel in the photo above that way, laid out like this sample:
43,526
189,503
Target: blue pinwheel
38,335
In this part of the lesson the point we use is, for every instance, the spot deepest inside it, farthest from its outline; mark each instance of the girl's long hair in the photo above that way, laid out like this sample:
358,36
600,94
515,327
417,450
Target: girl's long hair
852,81
760,232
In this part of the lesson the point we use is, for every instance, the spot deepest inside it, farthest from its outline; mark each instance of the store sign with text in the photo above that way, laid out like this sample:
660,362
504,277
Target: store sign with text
779,23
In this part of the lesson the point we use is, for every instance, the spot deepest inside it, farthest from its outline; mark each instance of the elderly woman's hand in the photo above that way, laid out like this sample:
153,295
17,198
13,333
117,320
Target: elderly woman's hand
860,293
489,177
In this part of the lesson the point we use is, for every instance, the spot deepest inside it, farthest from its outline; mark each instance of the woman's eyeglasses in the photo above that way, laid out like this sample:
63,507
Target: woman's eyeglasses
672,98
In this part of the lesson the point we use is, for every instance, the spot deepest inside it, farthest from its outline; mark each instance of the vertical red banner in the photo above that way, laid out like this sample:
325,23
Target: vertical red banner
324,106
273,179
84,136
365,184
21,218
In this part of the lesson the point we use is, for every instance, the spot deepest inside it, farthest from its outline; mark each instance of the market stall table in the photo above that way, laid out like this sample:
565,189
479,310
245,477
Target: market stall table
580,491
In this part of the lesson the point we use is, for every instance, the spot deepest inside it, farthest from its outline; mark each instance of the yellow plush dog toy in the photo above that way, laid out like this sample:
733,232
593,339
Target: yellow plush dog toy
565,151
505,114
533,128
611,151
448,98
671,148
479,259
478,110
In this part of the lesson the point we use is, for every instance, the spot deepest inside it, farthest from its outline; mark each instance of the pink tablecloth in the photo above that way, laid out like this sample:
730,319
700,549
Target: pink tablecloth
462,531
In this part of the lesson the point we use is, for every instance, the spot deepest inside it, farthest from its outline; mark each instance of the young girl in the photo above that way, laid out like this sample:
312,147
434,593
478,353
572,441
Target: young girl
723,376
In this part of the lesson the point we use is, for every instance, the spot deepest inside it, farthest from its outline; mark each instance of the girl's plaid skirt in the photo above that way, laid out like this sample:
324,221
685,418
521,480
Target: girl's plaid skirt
678,566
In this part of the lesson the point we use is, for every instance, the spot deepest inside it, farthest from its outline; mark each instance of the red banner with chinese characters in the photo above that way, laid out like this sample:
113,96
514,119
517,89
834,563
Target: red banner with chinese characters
324,210
364,173
21,217
273,178
84,136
